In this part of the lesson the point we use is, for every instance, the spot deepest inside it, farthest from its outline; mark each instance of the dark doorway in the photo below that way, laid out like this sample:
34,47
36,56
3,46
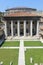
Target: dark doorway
34,27
21,28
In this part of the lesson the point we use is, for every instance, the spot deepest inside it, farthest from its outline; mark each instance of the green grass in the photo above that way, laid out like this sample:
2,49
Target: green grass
8,55
36,54
11,43
33,43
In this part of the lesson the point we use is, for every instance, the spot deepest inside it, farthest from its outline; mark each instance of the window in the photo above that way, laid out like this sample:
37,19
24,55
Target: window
15,22
33,22
21,22
15,30
26,22
9,22
26,30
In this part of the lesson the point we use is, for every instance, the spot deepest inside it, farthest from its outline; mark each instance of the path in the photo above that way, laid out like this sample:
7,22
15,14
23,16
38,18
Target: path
33,47
21,59
9,47
29,47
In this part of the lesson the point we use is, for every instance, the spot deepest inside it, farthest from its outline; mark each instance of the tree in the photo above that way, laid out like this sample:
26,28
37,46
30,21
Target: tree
1,15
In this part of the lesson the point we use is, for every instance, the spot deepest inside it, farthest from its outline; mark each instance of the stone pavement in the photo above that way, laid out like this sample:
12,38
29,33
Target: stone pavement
21,59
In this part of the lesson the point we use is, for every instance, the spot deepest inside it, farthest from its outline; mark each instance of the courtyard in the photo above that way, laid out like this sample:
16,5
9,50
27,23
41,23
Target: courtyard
20,52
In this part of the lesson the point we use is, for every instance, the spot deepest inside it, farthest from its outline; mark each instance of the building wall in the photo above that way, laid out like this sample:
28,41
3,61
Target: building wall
38,13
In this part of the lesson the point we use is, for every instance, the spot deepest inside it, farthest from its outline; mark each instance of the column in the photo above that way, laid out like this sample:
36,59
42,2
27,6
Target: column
25,28
12,28
18,28
5,29
31,27
37,32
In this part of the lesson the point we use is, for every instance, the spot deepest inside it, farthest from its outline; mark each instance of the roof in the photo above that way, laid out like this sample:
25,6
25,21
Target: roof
20,14
19,8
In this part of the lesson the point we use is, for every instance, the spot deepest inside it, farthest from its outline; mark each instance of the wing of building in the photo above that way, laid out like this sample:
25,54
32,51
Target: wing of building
23,23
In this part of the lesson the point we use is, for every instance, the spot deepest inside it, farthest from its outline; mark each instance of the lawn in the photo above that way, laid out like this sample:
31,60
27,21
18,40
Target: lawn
33,43
11,43
8,55
36,54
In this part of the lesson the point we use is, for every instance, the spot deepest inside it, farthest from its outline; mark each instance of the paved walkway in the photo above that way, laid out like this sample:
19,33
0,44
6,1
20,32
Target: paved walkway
33,47
29,47
21,59
9,47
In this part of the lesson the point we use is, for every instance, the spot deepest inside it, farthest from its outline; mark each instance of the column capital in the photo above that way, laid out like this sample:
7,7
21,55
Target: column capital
31,20
11,20
18,20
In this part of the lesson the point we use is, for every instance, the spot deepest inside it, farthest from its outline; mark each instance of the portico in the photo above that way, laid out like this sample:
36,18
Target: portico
21,28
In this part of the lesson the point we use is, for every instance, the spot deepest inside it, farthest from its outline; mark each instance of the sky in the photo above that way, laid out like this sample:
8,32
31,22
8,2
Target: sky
5,4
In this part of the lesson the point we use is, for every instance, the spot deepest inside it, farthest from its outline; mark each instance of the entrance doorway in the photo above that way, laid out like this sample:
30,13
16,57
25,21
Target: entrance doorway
21,28
34,27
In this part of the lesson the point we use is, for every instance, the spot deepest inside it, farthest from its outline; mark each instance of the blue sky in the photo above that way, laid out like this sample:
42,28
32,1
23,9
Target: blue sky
5,4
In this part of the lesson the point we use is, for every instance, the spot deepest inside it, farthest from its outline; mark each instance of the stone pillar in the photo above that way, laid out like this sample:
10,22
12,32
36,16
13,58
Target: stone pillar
5,29
18,28
31,27
24,27
37,32
12,28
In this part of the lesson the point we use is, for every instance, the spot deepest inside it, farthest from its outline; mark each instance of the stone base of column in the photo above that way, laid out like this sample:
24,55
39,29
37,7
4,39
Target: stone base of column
37,35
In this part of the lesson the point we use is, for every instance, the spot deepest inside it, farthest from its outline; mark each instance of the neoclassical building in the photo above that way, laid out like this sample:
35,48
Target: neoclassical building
23,23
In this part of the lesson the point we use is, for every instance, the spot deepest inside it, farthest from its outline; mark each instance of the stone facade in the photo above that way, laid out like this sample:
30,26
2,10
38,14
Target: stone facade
23,22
